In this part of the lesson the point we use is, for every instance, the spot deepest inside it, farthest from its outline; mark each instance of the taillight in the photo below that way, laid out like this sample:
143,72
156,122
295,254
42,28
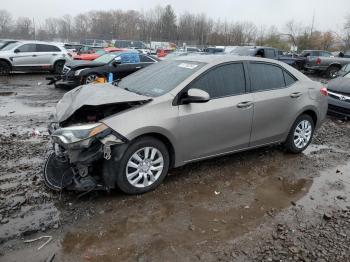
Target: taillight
324,91
318,61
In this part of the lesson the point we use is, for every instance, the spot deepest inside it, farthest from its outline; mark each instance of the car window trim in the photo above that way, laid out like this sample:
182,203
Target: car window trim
273,64
176,99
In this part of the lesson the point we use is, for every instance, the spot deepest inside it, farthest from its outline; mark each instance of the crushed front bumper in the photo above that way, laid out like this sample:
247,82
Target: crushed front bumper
80,167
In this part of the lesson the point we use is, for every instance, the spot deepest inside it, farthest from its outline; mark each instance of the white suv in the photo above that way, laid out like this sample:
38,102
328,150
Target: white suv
33,56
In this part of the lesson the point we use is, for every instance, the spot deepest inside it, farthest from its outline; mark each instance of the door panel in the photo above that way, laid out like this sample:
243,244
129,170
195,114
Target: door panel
274,112
26,57
215,127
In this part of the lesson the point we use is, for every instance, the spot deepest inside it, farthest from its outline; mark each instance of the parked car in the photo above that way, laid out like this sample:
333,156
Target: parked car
323,62
5,42
344,70
96,54
176,112
120,64
31,56
269,52
94,42
339,95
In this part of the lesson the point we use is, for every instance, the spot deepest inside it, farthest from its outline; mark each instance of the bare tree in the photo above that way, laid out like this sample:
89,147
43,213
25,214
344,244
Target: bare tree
5,22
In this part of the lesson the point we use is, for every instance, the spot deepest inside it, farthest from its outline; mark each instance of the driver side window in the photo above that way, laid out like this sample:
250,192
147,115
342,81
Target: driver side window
26,48
222,81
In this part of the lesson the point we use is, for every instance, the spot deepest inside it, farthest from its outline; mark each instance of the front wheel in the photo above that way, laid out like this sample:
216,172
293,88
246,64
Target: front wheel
143,166
91,78
5,68
300,135
332,72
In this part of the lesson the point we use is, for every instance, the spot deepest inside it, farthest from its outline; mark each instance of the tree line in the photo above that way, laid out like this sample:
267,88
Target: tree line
161,23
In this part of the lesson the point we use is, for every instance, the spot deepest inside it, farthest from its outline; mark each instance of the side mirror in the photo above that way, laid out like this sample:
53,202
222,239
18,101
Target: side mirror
195,95
17,51
117,61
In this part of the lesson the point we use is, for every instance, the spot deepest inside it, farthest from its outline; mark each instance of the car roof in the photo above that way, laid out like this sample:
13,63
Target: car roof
218,59
38,42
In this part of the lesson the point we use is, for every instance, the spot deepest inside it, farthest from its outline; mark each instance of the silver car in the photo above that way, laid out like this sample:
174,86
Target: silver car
33,56
176,112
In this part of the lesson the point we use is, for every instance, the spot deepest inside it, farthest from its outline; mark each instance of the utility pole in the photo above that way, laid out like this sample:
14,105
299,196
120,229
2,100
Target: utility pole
34,29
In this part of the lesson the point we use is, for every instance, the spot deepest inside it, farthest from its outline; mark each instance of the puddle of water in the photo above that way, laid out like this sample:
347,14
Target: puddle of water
224,200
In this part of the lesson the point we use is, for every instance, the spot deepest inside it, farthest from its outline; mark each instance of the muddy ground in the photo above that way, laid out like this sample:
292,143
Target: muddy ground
262,205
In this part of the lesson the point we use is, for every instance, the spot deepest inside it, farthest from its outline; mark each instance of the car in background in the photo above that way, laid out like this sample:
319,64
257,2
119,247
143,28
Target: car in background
96,54
344,70
339,96
163,52
94,42
29,56
177,112
269,52
323,62
214,49
4,42
120,64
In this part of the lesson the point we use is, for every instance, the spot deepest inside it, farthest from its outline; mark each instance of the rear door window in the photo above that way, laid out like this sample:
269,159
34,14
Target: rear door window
225,80
26,48
146,59
289,80
265,77
47,48
325,54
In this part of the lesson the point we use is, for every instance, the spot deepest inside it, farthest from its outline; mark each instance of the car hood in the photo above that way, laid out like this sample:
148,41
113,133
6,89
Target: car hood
77,64
340,84
93,95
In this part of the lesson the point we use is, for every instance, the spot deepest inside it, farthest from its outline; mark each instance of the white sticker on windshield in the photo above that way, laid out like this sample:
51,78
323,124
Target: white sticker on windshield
188,66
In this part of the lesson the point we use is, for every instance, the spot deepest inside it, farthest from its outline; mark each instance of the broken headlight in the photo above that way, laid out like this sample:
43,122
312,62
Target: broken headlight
81,133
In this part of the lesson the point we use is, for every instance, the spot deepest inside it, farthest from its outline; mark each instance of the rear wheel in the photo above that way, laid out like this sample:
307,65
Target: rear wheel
300,135
58,67
143,166
332,72
5,68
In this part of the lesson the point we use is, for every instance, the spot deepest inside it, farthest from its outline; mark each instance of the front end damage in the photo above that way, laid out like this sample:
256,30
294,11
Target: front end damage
82,143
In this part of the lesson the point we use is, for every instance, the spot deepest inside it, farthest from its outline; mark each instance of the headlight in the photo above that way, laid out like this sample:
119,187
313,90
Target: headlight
79,71
73,134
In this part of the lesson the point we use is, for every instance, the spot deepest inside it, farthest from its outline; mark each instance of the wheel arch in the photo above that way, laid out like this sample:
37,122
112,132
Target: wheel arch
6,61
166,141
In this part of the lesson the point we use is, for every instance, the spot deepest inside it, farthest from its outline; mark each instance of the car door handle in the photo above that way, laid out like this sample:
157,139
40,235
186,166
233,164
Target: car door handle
54,54
34,55
295,95
138,67
245,104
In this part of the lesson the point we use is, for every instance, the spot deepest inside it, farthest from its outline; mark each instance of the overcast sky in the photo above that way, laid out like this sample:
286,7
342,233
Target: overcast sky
329,14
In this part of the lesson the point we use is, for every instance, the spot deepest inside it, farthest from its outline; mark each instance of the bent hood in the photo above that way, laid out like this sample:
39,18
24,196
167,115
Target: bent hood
93,95
340,84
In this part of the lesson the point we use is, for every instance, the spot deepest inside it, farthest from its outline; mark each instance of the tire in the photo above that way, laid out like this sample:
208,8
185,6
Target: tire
142,180
332,72
90,78
5,68
58,67
291,143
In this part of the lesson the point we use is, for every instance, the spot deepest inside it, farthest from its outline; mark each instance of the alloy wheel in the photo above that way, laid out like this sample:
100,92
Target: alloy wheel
302,134
90,79
144,167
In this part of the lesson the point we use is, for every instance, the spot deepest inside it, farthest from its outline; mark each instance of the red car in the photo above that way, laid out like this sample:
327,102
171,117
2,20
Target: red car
96,54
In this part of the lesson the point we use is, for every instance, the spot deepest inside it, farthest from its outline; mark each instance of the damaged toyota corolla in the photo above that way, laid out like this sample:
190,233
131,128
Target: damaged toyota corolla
128,135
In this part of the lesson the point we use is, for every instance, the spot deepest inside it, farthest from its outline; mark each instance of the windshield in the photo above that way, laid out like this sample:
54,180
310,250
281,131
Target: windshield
10,47
347,75
160,78
243,51
105,58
